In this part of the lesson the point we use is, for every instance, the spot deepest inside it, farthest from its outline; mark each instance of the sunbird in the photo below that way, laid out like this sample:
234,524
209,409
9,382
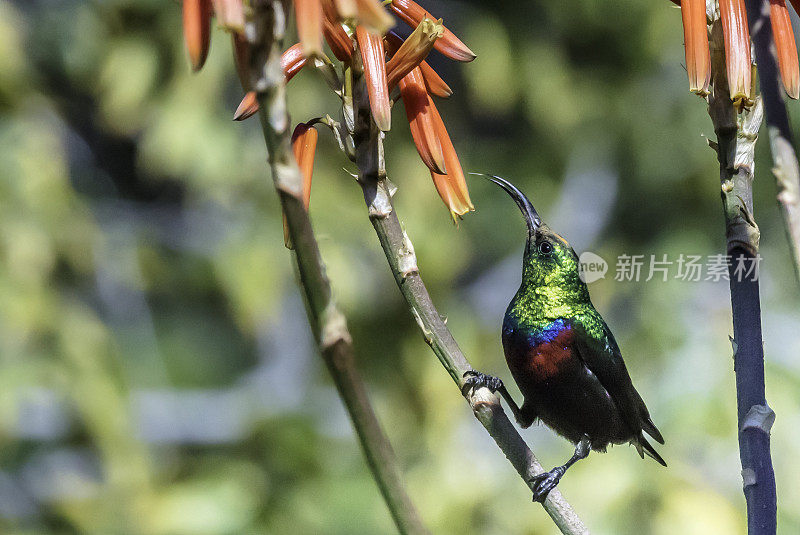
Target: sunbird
563,356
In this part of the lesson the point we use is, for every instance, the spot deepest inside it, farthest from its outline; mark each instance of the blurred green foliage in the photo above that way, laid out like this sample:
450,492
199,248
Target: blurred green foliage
156,370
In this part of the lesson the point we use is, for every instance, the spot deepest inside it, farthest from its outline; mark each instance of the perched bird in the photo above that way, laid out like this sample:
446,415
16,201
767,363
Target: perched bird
563,356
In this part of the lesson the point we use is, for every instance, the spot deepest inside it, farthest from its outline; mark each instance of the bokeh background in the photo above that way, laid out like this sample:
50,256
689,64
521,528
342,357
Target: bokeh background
157,374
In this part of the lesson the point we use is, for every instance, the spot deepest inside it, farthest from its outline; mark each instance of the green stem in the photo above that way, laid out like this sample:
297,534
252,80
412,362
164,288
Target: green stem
265,30
402,260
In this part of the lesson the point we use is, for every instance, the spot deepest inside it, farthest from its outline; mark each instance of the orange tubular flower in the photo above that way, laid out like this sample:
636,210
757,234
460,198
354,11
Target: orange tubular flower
452,187
372,53
371,14
436,86
695,37
247,108
737,50
413,51
304,146
340,43
197,30
420,119
347,9
230,14
448,44
784,44
292,60
308,15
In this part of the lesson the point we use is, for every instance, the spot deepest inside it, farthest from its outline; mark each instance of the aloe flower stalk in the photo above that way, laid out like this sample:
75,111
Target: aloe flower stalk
785,46
372,54
448,44
413,50
197,30
695,37
421,120
737,50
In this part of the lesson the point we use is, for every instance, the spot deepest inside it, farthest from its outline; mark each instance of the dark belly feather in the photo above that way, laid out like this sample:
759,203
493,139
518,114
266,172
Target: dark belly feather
560,390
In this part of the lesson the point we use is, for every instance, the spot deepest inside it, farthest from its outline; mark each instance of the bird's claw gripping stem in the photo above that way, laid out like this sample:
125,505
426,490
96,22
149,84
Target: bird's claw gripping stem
475,380
544,483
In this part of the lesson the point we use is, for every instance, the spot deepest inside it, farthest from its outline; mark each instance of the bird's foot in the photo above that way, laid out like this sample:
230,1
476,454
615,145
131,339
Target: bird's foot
475,380
544,483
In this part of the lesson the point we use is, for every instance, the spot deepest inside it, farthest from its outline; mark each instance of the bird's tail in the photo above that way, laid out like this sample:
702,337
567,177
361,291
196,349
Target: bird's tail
644,447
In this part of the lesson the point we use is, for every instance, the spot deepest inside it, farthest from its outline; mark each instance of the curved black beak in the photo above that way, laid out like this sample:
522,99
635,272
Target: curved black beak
531,216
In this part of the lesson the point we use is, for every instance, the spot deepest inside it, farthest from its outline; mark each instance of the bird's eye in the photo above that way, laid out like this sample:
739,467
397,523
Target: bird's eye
545,247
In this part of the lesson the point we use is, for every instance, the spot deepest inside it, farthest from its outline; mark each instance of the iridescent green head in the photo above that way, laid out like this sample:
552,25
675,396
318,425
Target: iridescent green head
549,259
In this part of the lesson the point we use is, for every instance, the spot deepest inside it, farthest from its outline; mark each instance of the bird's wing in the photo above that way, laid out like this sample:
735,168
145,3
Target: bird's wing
600,353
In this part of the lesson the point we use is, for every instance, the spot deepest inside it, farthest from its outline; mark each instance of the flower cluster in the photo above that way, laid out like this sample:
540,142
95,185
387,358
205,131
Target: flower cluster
737,47
393,68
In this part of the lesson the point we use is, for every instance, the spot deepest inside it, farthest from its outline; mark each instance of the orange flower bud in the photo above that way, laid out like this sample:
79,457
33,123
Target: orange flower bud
197,30
247,108
695,38
308,17
448,44
340,43
230,14
457,196
737,49
304,145
292,60
372,53
436,86
372,15
413,51
785,46
420,119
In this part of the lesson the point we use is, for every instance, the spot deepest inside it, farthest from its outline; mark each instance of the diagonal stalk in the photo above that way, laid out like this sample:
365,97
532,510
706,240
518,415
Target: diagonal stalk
265,30
399,252
735,148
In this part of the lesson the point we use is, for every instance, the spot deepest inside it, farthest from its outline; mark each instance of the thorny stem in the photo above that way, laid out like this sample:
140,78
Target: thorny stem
735,148
265,29
400,254
784,156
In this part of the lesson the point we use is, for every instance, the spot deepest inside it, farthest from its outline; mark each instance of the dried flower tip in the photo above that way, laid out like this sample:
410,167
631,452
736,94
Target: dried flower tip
372,54
247,108
372,16
448,44
197,30
421,121
292,60
457,200
695,37
340,43
413,50
230,14
304,146
737,50
785,46
308,17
